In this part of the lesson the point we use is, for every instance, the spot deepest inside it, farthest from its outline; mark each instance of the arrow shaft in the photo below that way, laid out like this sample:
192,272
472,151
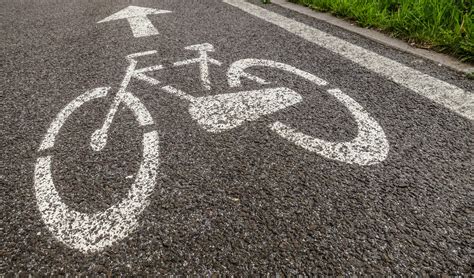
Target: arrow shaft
142,27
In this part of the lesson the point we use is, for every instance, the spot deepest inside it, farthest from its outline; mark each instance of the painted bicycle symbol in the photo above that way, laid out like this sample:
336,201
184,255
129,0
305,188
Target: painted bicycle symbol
214,113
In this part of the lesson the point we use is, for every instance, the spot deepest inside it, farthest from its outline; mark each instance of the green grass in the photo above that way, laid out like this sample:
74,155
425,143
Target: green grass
443,25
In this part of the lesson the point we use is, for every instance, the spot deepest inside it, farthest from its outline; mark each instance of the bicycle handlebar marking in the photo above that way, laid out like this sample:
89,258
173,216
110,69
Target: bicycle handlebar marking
203,60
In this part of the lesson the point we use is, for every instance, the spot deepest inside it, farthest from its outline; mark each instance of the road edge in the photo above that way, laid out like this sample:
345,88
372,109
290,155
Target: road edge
376,36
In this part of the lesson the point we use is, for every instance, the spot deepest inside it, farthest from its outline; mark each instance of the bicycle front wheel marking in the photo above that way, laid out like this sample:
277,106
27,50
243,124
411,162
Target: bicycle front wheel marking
94,232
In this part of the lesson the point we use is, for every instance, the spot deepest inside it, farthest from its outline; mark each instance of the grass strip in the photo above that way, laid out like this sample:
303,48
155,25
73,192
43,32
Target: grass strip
443,25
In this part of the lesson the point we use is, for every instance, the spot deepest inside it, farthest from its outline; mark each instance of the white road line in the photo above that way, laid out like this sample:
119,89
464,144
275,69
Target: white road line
443,93
379,37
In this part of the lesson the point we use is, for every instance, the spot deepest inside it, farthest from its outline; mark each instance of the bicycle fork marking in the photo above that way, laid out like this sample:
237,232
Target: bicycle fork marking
99,137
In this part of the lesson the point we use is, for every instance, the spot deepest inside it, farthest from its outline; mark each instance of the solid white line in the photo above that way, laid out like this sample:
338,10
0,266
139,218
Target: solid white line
448,95
379,37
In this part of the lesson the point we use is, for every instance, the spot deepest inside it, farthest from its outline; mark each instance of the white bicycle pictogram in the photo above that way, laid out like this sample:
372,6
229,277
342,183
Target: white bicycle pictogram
214,113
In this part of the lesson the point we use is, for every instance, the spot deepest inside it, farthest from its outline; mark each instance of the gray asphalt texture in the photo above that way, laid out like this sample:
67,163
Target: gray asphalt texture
242,201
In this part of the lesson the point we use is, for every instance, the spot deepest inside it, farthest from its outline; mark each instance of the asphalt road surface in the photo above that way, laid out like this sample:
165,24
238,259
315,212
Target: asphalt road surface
243,138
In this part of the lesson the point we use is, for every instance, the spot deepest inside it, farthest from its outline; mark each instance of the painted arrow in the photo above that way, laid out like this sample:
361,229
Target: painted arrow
138,20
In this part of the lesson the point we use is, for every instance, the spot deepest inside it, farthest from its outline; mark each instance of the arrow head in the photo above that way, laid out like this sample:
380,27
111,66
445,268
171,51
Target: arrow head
133,11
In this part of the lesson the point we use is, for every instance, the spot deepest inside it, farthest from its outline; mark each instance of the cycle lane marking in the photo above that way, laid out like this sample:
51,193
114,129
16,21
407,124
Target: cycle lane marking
215,113
93,232
219,113
443,93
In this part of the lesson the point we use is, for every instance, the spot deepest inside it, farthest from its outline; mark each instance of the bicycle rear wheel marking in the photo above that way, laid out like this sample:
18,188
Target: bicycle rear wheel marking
369,147
93,232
